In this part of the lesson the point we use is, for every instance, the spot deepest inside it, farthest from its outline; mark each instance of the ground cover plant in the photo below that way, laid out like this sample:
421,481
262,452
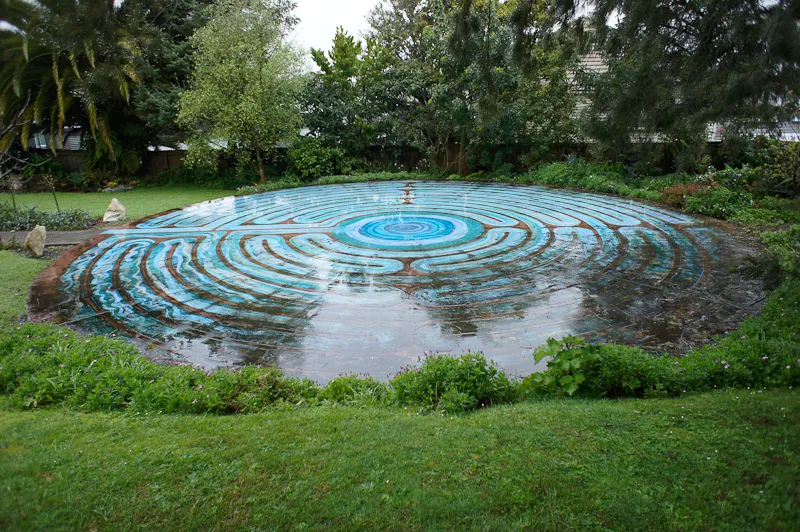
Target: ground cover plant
45,364
26,218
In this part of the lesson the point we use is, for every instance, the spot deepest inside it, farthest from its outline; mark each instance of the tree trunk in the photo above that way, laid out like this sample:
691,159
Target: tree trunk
462,155
260,164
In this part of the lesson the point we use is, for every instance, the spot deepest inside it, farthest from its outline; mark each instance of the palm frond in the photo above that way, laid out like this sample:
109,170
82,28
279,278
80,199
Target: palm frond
73,59
105,135
92,112
89,53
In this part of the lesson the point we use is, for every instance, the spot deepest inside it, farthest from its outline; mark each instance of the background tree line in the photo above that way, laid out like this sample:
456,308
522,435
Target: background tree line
454,85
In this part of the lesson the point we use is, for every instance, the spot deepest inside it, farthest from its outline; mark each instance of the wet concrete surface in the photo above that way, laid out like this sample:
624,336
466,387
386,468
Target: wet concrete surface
58,238
367,277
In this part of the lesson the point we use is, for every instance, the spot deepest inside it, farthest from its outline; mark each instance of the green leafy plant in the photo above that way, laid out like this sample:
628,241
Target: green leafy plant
311,160
781,257
603,370
676,195
453,384
577,173
43,364
718,202
566,358
779,163
354,390
26,218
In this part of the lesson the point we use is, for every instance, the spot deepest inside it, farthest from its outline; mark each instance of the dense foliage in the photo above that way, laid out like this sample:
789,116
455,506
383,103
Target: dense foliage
674,68
452,86
764,352
26,218
404,90
246,103
453,384
111,69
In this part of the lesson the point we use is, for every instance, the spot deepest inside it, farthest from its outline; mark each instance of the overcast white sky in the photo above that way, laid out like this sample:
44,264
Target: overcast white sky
319,19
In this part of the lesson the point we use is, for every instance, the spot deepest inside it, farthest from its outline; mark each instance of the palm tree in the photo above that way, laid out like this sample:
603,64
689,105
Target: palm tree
68,52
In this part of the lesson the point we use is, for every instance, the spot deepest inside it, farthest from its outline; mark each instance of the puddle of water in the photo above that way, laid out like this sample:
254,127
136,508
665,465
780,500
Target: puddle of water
366,277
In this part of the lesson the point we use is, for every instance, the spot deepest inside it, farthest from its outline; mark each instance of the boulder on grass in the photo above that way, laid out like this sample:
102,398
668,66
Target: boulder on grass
116,212
34,242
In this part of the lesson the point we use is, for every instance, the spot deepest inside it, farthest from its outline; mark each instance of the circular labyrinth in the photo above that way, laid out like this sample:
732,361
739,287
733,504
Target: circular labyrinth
366,277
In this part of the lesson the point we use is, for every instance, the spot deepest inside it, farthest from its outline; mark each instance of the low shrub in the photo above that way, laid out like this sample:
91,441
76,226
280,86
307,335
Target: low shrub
718,202
779,164
676,195
759,217
590,176
783,248
453,384
309,159
355,390
26,218
293,182
764,352
42,364
602,370
659,183
210,177
780,259
769,211
373,176
739,179
270,186
577,174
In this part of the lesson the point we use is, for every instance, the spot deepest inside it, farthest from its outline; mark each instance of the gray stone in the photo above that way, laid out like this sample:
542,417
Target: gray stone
116,212
34,242
121,188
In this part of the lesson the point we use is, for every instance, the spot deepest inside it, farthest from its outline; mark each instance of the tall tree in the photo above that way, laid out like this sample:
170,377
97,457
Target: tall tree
334,106
80,59
456,83
115,69
674,66
167,65
244,95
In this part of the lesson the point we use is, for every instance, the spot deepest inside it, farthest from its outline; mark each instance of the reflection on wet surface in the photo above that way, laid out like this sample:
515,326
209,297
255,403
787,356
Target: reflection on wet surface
366,277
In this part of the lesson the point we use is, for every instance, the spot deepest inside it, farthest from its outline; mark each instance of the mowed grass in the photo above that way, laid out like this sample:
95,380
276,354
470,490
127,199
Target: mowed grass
17,272
139,202
720,460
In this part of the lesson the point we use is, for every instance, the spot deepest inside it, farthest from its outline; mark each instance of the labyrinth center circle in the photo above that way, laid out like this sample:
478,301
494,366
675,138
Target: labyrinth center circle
366,277
406,230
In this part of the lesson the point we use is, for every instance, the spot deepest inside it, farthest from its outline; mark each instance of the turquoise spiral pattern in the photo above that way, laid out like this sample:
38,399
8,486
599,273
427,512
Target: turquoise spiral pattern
365,277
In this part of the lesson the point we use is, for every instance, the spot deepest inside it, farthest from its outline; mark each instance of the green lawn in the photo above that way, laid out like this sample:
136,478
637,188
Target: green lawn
720,460
17,272
139,202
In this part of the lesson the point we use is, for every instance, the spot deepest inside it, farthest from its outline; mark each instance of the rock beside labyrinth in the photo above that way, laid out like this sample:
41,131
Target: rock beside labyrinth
116,212
34,242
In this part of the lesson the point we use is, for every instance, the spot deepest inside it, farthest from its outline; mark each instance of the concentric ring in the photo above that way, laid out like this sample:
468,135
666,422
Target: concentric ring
365,277
408,231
